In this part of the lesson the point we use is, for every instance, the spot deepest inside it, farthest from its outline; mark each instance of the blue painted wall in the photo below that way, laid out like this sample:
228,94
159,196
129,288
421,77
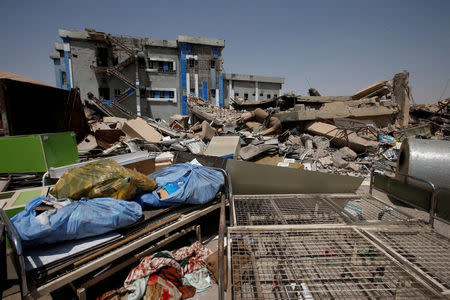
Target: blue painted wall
185,48
205,90
66,63
221,91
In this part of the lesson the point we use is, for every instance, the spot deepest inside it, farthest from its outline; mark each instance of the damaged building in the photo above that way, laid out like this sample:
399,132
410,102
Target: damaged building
151,77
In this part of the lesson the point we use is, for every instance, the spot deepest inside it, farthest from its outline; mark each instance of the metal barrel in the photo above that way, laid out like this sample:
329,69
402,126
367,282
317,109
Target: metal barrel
426,159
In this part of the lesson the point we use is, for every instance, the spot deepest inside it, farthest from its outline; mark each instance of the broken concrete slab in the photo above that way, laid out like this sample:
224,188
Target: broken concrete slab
180,119
321,142
364,108
322,99
252,151
224,146
207,132
369,90
338,161
342,137
422,130
194,145
139,128
326,161
354,166
346,153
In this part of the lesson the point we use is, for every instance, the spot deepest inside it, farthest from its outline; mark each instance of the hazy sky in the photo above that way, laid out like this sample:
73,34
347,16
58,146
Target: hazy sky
339,46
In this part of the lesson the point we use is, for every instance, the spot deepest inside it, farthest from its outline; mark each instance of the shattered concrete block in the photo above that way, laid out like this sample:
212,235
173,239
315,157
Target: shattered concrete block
207,131
355,167
224,146
251,151
346,153
139,128
309,144
338,161
180,119
368,90
325,161
321,142
343,138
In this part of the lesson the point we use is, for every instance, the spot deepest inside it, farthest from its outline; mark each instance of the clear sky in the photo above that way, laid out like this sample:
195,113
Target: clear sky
339,46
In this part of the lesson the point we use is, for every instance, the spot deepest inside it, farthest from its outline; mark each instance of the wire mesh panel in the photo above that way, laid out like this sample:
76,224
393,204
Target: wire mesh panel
369,210
427,250
315,264
272,210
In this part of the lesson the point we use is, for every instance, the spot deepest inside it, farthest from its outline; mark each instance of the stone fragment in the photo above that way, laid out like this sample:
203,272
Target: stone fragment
338,161
347,153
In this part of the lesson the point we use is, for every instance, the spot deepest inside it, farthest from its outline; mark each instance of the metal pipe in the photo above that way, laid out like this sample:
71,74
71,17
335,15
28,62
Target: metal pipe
222,224
427,159
138,93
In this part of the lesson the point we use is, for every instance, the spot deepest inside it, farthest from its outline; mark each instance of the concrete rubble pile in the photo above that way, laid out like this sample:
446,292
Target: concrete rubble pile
333,134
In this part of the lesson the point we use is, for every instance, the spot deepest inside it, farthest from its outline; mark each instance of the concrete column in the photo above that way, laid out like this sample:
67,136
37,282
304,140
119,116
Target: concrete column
196,84
188,84
216,99
256,91
230,90
402,96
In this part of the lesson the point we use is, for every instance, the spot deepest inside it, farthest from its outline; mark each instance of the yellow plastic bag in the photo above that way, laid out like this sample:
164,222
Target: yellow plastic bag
102,178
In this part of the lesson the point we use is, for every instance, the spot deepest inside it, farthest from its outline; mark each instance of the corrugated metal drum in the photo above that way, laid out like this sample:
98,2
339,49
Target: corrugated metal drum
426,159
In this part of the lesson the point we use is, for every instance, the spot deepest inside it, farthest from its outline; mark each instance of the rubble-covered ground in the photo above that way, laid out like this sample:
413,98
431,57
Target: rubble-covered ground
334,134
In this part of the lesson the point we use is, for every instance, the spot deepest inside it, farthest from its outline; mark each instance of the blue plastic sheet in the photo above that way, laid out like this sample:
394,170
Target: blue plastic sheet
76,220
187,184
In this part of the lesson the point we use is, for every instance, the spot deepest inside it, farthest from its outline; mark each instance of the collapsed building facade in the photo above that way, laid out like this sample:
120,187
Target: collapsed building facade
147,76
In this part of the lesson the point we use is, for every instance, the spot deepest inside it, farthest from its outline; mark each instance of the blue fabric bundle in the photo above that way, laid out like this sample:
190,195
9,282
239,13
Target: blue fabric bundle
76,220
186,184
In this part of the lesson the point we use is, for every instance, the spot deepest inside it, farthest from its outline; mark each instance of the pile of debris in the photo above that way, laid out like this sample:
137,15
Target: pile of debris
334,134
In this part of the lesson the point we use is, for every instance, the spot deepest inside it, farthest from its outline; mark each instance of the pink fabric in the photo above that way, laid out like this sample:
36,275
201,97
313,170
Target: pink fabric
197,254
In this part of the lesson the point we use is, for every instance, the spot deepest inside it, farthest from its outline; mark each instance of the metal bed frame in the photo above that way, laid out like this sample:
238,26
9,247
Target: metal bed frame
90,272
344,246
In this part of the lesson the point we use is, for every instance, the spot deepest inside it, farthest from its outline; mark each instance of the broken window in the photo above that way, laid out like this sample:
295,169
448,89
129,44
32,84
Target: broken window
275,95
260,94
160,66
192,91
102,57
103,93
213,93
236,94
268,96
61,53
253,94
245,96
117,92
64,78
141,62
157,94
191,63
115,60
170,65
213,64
